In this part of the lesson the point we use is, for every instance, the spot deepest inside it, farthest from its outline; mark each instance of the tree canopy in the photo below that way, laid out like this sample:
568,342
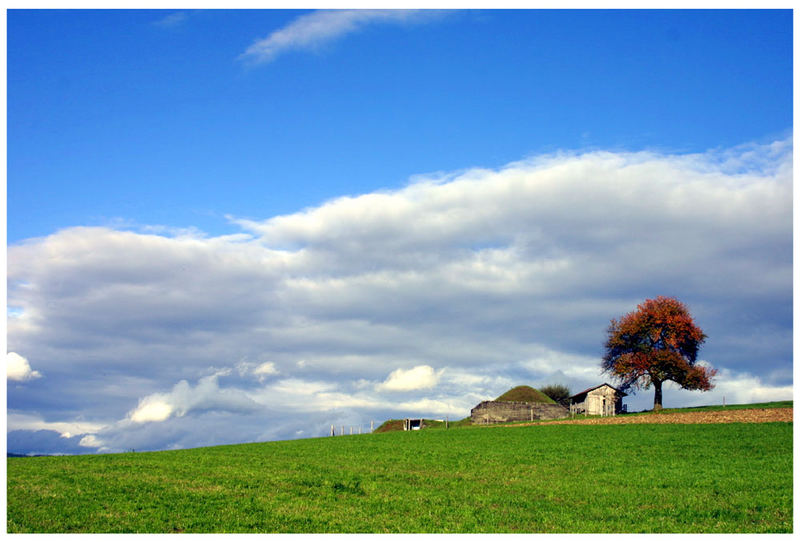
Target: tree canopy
656,343
557,392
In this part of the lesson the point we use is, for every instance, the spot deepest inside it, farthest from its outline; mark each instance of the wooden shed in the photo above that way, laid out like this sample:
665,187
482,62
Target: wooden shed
602,400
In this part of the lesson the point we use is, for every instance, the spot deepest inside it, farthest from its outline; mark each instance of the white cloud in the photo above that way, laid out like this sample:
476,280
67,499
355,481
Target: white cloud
308,32
91,441
266,368
153,408
206,395
427,407
32,422
417,378
303,395
18,368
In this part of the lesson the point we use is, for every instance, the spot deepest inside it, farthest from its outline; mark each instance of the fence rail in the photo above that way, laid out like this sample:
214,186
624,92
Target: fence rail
340,430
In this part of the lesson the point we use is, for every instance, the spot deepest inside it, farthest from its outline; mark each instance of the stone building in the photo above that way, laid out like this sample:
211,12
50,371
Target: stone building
602,400
515,411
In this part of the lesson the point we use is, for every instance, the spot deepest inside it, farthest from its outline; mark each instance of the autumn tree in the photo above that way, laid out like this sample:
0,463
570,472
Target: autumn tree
653,344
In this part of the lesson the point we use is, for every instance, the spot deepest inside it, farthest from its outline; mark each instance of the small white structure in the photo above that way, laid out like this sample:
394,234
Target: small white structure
412,424
602,400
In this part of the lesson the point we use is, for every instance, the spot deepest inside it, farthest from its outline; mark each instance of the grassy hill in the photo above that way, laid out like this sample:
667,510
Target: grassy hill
397,425
547,478
389,425
525,394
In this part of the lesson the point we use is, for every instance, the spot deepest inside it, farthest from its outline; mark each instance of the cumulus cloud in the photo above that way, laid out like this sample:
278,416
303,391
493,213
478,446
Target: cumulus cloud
341,312
183,398
308,32
91,441
266,368
18,368
152,408
417,378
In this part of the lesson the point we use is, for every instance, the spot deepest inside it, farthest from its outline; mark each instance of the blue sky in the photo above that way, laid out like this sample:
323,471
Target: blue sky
217,218
120,116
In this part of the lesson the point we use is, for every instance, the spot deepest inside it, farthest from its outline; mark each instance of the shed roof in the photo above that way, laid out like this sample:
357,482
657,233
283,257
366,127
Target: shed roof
586,391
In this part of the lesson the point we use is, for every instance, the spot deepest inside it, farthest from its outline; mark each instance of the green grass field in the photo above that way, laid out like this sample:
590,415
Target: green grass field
568,478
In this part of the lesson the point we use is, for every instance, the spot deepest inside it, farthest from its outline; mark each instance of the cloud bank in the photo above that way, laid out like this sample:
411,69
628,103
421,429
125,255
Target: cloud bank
420,301
309,32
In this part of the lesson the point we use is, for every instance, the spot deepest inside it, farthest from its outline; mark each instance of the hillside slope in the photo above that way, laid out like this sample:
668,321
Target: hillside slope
720,477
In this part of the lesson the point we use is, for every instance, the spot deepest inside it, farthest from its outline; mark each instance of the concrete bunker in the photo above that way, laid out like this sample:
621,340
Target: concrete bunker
519,404
412,424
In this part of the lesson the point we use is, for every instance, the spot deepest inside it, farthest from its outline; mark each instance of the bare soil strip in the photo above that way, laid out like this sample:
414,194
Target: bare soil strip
748,415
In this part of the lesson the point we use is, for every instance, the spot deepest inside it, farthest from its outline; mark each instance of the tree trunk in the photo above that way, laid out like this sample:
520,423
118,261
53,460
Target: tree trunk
657,401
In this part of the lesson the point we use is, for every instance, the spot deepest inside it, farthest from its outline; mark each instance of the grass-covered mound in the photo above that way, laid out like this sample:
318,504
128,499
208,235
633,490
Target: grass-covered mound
525,394
389,425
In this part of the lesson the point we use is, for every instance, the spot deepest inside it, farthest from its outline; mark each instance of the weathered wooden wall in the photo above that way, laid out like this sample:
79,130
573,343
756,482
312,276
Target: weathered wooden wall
603,402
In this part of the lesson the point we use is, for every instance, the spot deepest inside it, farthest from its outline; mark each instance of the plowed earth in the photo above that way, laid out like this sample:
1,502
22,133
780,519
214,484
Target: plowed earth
748,415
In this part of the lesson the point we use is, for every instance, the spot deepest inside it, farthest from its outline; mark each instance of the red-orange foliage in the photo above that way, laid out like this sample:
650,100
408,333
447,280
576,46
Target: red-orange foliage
657,342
